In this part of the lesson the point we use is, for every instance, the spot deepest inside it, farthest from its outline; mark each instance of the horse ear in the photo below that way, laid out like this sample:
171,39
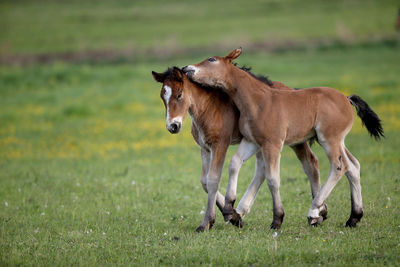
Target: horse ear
178,74
234,54
159,77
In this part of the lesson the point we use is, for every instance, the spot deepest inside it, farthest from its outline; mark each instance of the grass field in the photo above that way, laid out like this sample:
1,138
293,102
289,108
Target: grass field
90,176
32,27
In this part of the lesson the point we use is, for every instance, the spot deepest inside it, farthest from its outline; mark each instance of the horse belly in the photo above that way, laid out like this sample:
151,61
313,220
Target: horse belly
299,137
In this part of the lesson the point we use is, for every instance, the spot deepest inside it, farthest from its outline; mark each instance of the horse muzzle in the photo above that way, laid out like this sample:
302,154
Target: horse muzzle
189,71
174,127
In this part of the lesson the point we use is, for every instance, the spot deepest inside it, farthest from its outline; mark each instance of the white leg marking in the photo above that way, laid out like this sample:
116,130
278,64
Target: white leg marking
313,213
353,175
247,200
245,151
205,161
335,173
213,180
272,175
273,180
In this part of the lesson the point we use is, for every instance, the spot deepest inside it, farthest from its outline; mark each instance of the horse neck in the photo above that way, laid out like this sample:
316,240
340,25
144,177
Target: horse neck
200,101
246,91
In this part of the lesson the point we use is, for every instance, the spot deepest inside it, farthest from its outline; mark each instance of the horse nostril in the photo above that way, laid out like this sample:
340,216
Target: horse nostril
184,69
174,127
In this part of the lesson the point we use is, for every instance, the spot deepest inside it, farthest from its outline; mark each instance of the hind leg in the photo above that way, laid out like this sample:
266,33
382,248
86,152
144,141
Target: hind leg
244,152
336,154
353,175
310,166
246,202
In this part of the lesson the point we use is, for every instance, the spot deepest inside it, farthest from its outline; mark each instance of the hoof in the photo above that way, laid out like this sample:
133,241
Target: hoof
228,217
277,220
324,212
236,220
315,221
323,215
355,217
275,225
200,229
228,212
352,223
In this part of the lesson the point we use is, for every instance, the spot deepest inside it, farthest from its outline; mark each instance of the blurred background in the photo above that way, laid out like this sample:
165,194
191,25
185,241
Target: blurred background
89,62
82,125
104,31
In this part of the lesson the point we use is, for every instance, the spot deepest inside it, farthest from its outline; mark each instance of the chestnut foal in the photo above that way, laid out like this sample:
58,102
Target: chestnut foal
215,127
272,118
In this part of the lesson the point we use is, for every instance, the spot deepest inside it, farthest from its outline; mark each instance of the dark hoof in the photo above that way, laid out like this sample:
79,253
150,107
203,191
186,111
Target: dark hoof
324,212
228,217
352,222
236,220
354,219
277,220
275,225
200,229
228,211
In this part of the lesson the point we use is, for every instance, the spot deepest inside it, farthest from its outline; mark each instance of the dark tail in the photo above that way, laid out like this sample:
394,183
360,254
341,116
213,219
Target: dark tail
368,117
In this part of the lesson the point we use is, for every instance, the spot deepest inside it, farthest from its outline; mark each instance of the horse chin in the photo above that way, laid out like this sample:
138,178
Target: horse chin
176,132
190,74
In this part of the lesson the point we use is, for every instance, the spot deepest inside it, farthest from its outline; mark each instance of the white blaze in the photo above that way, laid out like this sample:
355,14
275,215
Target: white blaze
167,97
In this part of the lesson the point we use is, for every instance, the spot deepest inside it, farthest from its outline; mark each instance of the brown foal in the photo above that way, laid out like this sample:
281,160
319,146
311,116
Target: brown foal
215,126
272,118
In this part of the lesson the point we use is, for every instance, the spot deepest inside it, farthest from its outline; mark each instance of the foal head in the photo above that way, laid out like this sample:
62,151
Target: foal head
175,97
214,71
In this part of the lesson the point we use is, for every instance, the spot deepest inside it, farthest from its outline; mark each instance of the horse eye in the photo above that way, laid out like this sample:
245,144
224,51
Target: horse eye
179,96
212,59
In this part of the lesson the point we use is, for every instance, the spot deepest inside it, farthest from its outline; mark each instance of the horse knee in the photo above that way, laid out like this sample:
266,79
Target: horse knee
353,174
212,183
203,181
273,184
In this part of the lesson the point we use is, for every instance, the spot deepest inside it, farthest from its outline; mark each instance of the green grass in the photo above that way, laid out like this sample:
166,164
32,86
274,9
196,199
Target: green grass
90,176
31,27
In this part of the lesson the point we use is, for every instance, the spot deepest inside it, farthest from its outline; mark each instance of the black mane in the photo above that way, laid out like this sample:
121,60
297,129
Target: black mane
170,74
259,77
